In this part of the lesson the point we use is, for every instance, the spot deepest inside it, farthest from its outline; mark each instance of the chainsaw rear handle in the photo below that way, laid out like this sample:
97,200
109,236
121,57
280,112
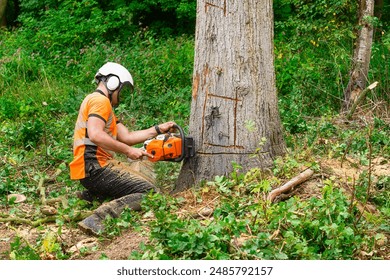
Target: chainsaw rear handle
182,136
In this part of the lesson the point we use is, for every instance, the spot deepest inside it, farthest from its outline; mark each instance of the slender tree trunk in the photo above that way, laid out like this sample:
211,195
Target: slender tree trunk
3,6
362,54
379,4
234,109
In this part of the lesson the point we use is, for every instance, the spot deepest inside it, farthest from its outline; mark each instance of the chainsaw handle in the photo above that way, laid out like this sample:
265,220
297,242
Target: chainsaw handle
178,127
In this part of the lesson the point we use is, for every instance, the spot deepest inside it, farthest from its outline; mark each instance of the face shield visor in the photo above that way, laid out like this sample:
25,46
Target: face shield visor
125,89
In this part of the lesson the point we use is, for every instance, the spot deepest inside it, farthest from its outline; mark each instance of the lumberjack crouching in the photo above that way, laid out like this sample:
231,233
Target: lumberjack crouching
98,135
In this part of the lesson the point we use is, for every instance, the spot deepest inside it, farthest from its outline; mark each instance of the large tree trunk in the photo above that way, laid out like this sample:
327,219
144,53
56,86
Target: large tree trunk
362,54
234,109
3,6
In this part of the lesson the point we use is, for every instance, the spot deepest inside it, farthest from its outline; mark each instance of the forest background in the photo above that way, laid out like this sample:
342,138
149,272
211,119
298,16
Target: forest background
49,53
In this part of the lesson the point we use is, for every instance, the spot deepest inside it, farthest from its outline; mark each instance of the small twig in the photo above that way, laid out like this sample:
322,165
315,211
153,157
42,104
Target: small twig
353,195
62,199
41,189
346,151
369,163
368,193
16,220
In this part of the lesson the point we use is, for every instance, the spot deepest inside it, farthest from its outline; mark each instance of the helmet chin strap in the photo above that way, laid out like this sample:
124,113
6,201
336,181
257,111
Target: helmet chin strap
110,92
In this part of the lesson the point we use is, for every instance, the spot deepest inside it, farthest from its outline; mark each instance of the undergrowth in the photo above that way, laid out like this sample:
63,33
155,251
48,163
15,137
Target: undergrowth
46,70
244,225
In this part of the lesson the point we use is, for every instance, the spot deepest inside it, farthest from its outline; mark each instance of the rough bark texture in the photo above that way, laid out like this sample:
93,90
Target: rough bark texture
3,6
234,101
362,54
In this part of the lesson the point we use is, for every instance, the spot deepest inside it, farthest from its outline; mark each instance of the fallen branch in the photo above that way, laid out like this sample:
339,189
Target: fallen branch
62,199
360,98
75,218
42,191
304,176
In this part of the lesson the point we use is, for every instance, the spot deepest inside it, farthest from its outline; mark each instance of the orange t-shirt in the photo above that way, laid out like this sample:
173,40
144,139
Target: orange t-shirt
85,152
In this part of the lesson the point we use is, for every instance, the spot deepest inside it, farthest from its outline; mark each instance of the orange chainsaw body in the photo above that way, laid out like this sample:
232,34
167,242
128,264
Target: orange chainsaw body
168,148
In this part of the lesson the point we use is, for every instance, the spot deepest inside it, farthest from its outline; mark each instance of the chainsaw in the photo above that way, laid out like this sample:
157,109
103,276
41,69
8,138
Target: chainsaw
170,147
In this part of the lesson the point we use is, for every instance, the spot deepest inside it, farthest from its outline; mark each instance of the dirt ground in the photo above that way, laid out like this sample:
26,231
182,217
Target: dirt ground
85,247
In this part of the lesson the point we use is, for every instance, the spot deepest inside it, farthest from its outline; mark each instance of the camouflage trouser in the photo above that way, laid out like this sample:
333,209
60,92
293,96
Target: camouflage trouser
118,179
124,183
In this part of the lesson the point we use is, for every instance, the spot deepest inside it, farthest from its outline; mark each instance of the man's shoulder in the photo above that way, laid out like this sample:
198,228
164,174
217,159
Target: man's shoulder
96,97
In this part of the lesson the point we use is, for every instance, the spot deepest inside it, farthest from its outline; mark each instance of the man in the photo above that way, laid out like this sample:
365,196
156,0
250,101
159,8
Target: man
98,135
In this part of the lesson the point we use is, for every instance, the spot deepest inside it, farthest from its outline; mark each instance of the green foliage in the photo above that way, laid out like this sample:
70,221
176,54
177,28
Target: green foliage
316,229
48,246
115,226
187,239
319,228
166,17
327,138
20,250
47,66
63,29
163,75
313,49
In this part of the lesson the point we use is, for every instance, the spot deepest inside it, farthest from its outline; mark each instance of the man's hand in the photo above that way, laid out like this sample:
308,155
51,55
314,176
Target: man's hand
165,127
136,153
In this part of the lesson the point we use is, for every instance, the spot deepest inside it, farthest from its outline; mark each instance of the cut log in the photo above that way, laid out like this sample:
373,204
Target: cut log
304,176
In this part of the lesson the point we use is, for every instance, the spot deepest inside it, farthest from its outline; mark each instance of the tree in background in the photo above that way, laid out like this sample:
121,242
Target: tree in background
234,110
362,53
166,17
3,6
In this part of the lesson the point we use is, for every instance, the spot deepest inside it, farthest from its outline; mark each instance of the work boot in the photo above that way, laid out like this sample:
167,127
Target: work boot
94,223
85,195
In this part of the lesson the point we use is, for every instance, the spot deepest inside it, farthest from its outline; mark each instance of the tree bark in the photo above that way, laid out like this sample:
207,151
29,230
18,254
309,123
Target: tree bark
362,54
3,6
234,109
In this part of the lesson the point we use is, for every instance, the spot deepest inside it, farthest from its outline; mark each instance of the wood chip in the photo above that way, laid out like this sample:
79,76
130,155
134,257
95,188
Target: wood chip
18,197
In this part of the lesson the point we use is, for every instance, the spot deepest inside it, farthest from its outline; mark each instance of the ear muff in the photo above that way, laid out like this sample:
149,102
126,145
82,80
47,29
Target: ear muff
112,83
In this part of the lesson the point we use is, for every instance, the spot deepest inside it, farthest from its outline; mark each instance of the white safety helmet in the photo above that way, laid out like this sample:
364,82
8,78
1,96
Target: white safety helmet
115,76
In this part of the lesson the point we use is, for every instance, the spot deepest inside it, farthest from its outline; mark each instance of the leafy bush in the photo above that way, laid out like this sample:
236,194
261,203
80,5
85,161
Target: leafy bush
187,239
22,251
320,228
313,49
62,29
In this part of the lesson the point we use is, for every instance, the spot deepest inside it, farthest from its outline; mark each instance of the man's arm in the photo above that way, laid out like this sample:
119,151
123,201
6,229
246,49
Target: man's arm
98,136
139,136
